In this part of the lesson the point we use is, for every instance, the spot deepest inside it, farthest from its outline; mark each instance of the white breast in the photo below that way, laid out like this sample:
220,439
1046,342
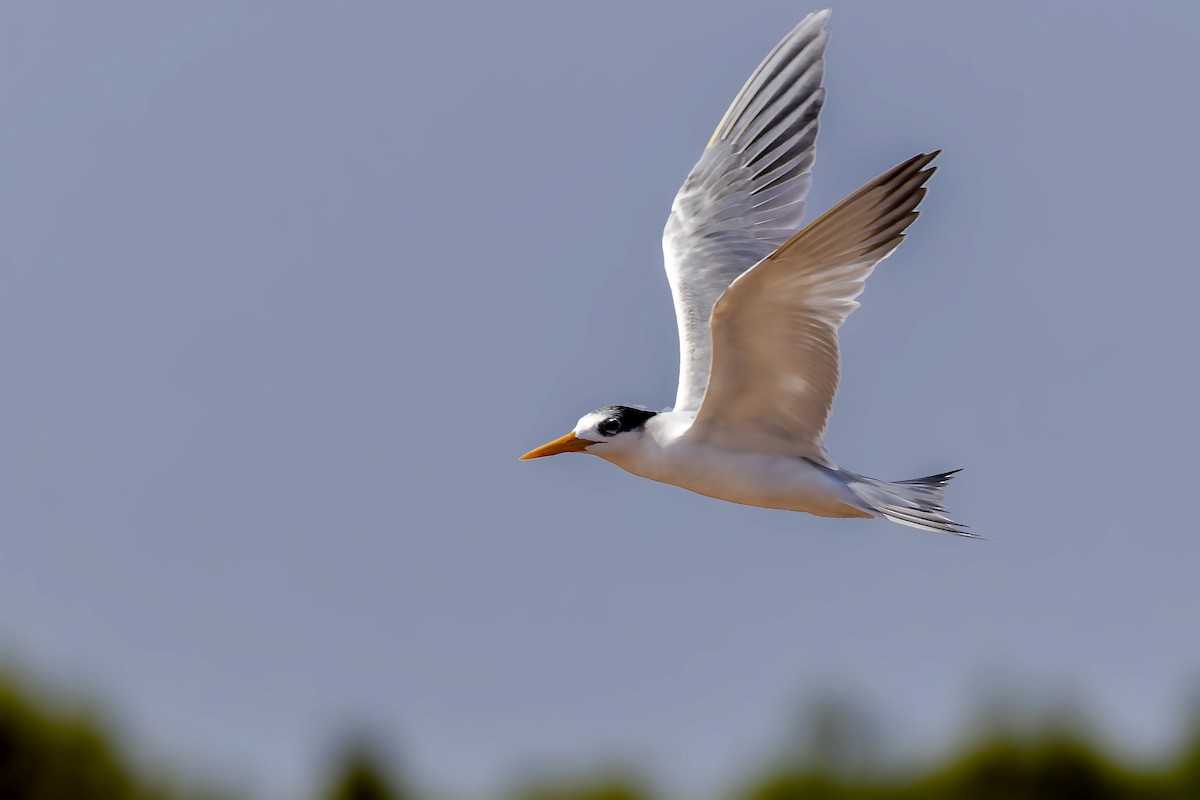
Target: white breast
666,454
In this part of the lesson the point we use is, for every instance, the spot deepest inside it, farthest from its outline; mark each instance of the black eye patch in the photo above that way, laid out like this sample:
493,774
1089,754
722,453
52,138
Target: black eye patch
623,418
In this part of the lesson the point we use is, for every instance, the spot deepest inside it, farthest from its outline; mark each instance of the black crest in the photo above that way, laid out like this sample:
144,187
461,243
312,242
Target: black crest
619,419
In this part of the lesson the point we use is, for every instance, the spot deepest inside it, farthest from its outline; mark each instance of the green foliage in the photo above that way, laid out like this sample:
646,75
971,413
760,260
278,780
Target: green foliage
835,760
608,787
1063,768
50,754
362,776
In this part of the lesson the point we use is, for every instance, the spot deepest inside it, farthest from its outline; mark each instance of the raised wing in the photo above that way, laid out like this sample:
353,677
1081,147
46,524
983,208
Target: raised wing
775,345
745,196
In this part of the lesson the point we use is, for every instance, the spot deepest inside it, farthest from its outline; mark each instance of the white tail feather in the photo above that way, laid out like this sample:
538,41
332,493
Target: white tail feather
916,502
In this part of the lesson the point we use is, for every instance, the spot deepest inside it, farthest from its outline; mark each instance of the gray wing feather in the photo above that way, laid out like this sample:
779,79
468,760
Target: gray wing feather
745,196
775,359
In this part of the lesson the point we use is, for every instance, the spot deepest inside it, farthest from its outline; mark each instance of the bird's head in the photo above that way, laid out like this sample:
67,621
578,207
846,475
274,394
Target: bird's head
610,428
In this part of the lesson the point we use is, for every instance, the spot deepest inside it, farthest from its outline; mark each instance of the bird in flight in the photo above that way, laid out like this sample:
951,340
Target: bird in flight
759,306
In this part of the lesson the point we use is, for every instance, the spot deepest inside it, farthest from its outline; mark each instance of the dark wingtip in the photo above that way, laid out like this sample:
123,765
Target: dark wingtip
940,478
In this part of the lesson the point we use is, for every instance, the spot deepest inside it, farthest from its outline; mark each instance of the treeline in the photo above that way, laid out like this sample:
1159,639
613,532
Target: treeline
51,753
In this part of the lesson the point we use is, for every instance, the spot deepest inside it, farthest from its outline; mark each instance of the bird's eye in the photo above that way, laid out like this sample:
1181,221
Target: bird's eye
610,427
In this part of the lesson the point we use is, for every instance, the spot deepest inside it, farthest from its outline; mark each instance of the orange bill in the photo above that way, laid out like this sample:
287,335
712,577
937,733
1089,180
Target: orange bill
566,444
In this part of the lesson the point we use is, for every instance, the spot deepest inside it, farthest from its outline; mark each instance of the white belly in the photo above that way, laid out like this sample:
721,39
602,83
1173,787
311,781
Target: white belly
767,481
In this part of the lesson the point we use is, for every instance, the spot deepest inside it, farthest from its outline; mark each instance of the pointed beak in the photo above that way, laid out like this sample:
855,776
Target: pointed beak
567,444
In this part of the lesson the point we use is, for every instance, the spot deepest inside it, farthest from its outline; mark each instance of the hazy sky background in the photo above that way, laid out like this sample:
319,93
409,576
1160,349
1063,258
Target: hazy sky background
286,288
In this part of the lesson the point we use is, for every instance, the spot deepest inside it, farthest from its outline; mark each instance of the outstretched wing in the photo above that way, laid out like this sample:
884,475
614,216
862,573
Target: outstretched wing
745,196
774,331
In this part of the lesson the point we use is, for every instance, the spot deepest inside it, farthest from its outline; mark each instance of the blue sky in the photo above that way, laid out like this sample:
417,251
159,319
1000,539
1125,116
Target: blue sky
285,289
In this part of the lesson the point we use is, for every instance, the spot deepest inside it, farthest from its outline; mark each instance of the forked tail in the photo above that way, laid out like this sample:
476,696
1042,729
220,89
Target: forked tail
916,502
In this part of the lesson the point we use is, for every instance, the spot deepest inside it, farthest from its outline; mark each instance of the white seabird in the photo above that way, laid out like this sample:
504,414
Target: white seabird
759,306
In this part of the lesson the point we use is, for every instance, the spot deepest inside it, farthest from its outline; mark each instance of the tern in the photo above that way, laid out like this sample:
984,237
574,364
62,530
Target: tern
759,306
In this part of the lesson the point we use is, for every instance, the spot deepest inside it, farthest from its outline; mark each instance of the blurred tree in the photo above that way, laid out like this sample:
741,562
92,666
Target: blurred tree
362,776
50,755
617,785
1184,780
834,755
1055,769
838,738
